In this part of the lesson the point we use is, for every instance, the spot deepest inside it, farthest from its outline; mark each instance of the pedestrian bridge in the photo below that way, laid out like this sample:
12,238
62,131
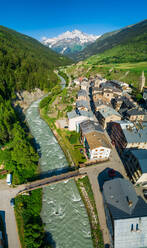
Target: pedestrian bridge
49,181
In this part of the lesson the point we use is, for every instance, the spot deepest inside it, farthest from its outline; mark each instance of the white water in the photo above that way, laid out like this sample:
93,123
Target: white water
63,211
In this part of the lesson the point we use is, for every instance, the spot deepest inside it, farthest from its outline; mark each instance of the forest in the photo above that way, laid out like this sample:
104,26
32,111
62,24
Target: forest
24,65
17,154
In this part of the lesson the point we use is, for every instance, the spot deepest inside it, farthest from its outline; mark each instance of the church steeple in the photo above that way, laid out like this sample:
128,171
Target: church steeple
142,82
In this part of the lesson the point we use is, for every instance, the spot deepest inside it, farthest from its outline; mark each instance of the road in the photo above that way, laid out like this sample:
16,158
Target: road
7,211
93,173
7,193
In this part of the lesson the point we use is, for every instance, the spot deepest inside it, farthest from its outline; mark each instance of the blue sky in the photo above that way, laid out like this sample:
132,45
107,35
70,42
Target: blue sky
49,18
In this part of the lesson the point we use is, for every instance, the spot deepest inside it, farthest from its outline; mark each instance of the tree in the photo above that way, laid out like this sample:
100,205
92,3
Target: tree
34,235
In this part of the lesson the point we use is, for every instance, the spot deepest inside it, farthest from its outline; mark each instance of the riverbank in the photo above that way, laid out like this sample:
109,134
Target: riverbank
47,148
25,98
87,196
83,185
54,130
29,223
63,212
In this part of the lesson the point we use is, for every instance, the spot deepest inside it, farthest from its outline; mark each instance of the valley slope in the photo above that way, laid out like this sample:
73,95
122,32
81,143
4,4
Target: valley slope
25,63
125,45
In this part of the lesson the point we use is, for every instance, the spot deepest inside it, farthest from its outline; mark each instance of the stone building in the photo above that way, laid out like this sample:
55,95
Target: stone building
126,134
136,164
106,115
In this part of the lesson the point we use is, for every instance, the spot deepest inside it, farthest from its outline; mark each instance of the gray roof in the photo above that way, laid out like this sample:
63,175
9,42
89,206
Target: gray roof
101,102
108,111
82,93
135,112
116,82
126,102
123,111
122,200
85,82
134,133
82,103
72,114
110,86
96,89
86,113
90,126
141,156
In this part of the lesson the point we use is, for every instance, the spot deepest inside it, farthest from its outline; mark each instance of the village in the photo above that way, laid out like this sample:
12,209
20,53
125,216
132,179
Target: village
107,118
102,130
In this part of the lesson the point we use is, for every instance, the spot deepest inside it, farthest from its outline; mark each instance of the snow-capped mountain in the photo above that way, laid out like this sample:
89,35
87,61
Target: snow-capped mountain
69,42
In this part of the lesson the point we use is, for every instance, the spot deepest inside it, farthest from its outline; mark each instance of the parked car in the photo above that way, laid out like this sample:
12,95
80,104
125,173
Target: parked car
111,173
9,179
12,202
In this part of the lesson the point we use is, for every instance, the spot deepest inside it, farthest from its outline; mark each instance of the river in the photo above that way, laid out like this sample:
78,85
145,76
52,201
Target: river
63,211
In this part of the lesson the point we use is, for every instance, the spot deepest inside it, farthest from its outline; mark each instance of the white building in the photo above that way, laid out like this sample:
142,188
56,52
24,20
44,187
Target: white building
75,119
97,146
126,214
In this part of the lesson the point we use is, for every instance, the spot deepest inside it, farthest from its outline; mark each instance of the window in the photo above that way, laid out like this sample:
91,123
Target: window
137,228
131,227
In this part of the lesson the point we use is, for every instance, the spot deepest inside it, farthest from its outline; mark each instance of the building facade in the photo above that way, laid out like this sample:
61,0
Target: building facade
106,115
126,134
97,146
126,214
136,162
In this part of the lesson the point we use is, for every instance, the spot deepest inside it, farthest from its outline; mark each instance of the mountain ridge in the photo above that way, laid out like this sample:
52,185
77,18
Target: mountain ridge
113,39
69,42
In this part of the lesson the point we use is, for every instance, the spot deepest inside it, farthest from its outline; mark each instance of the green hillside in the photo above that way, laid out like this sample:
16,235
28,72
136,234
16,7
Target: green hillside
124,45
133,51
25,63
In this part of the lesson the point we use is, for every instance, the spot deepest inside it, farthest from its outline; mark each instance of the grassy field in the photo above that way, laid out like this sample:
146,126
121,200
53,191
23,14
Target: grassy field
127,72
74,147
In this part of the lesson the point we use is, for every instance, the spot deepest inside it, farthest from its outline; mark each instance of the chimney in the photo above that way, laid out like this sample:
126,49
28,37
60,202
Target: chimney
130,203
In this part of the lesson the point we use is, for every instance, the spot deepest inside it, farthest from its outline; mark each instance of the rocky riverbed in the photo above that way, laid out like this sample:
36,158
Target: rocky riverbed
25,98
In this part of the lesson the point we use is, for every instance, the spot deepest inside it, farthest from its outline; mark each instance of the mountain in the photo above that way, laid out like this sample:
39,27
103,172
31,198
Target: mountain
69,42
25,63
130,41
